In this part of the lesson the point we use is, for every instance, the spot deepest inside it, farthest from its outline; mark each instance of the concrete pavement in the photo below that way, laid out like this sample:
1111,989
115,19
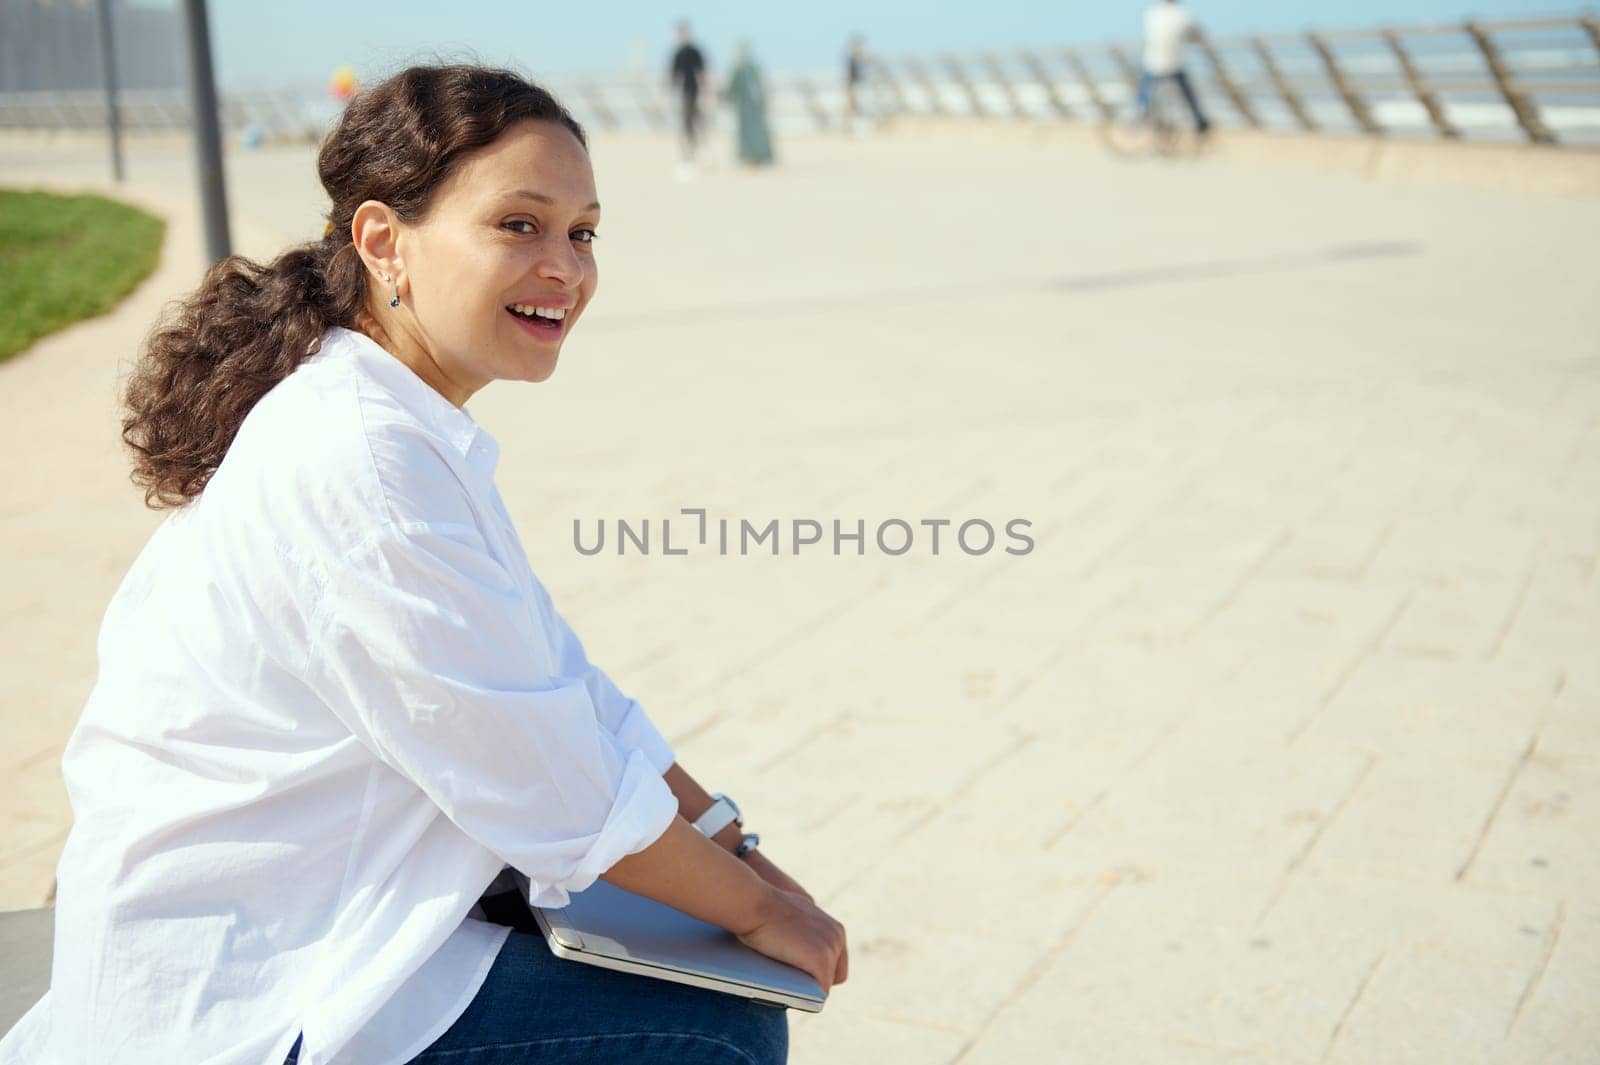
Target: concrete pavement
1282,744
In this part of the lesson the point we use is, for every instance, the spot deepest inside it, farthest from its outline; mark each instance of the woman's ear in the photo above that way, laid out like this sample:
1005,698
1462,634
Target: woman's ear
375,231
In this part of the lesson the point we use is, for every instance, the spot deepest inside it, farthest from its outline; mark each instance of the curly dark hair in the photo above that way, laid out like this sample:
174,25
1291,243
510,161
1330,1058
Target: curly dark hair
249,324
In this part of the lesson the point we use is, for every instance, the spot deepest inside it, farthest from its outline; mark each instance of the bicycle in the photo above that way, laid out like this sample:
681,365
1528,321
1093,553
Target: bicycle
1164,128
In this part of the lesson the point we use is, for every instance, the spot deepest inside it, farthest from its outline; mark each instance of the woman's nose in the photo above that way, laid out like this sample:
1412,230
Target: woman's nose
559,261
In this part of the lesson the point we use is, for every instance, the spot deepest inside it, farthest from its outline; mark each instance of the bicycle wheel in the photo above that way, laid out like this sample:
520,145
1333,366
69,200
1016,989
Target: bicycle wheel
1171,132
1129,133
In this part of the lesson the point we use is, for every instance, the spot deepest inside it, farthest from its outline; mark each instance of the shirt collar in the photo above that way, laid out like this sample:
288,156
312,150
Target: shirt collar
455,424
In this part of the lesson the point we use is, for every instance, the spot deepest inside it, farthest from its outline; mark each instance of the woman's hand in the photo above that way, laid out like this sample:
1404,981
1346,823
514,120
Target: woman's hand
794,930
769,872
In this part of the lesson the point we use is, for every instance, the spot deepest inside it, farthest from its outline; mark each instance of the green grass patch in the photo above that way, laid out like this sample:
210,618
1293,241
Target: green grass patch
66,258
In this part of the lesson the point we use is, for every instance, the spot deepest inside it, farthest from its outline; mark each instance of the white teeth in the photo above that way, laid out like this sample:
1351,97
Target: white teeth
553,313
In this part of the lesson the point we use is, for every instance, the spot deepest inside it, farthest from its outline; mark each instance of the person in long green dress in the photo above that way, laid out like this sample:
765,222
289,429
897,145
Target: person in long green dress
749,99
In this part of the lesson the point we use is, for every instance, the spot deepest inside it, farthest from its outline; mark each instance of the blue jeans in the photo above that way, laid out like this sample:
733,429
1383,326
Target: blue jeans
1147,82
535,1008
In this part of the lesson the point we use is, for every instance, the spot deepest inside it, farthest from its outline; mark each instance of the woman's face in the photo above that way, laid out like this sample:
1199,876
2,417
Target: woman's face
501,267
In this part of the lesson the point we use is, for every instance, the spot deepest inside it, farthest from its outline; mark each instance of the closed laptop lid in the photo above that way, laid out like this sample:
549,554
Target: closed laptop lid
605,923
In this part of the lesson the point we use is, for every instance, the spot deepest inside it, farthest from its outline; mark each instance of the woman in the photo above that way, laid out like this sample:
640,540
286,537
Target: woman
749,101
334,702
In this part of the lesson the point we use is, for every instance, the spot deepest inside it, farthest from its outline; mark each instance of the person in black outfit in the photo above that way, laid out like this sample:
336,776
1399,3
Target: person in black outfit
686,74
855,73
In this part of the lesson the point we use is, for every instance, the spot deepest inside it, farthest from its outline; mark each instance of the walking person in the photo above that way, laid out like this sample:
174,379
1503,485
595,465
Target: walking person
335,705
1167,27
685,76
855,76
748,97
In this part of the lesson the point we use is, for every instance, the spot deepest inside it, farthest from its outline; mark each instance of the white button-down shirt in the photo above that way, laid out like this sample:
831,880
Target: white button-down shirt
1166,27
334,704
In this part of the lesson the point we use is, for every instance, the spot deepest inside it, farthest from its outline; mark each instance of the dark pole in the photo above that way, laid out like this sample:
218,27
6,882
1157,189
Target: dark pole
207,129
108,63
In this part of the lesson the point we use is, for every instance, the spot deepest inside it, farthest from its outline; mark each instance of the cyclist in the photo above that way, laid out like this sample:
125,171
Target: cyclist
1167,25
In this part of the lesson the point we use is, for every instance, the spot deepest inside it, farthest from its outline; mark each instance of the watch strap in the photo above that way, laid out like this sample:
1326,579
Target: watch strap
721,813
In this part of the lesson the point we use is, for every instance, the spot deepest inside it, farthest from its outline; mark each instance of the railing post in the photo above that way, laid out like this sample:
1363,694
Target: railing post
1240,102
956,72
108,65
882,73
1425,96
277,117
1130,73
1040,75
1521,104
818,114
1591,26
647,106
1352,99
169,112
1279,82
1089,87
935,104
999,74
597,104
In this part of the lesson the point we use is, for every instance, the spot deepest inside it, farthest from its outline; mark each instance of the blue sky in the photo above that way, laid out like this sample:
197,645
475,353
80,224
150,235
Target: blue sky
298,41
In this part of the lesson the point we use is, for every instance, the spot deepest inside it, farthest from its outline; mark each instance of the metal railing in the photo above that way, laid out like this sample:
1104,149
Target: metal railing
1532,79
796,102
1535,79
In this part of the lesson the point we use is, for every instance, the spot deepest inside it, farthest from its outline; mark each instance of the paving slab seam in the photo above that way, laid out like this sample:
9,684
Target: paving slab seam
1338,1028
1042,534
1518,601
812,735
1500,799
810,627
1254,567
1072,822
1537,977
894,1017
1323,824
1037,970
1366,651
1018,744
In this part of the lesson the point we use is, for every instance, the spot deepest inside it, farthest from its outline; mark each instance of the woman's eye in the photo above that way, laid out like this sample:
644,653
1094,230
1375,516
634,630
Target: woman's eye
521,222
584,236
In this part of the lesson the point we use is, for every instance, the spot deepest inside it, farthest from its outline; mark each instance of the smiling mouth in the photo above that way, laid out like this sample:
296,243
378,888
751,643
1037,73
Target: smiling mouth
544,322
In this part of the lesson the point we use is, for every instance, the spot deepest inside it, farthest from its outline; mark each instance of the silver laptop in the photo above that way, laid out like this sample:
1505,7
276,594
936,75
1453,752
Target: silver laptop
607,926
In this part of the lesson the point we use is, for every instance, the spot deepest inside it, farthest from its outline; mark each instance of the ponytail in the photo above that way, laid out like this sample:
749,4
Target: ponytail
245,329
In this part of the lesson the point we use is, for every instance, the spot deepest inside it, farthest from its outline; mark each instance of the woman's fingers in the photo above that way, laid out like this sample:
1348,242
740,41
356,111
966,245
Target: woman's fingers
840,951
801,933
831,967
844,955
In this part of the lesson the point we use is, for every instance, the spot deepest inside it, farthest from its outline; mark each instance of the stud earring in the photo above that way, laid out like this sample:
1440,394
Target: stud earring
394,301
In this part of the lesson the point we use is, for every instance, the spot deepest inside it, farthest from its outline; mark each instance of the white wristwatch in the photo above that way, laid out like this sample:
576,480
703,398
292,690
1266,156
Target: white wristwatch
722,813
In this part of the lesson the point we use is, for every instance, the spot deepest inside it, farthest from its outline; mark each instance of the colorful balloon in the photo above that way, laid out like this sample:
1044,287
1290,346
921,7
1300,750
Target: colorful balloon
344,85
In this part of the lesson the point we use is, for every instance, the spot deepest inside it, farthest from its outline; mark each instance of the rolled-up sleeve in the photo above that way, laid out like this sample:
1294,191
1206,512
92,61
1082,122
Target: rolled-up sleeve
421,644
622,716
